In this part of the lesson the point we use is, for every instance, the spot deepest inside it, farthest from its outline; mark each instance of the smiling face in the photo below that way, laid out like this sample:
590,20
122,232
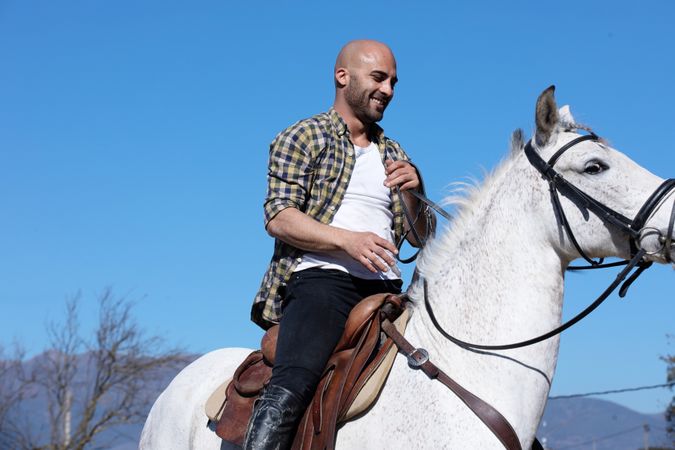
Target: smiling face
365,76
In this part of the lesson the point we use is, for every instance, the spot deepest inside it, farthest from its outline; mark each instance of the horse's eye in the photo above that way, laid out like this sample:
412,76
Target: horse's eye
595,167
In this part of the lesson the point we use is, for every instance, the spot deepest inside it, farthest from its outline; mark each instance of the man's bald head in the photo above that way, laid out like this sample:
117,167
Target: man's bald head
357,53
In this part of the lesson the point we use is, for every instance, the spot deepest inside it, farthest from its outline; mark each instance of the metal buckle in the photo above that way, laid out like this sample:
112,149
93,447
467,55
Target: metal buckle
417,358
650,232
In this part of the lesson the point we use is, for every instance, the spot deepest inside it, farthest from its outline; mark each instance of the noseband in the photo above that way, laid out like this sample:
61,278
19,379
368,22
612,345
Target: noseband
635,229
652,204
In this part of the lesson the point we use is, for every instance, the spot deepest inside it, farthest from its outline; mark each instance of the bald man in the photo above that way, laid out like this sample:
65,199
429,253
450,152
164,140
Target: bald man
336,216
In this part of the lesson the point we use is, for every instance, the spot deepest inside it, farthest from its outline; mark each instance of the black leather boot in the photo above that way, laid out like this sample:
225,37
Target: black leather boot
274,420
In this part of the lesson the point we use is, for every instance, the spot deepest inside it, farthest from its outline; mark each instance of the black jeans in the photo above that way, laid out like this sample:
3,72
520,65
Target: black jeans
315,310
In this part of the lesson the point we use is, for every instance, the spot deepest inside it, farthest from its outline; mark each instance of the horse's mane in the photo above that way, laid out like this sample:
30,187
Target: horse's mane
464,195
461,197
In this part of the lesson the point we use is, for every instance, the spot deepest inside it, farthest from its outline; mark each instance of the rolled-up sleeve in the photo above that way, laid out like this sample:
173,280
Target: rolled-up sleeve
289,172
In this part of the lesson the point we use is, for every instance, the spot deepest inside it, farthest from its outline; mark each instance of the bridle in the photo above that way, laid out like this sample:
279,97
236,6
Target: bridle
635,229
559,185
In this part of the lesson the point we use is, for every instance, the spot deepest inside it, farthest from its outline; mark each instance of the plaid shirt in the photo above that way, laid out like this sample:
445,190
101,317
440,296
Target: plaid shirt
310,165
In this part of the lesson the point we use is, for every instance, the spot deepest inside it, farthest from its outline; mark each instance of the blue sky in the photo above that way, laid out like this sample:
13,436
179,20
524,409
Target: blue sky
134,138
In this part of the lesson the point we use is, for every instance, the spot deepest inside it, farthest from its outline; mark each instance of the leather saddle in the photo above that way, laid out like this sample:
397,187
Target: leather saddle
351,382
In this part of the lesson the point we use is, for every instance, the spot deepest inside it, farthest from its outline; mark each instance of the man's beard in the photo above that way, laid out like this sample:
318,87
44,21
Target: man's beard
359,100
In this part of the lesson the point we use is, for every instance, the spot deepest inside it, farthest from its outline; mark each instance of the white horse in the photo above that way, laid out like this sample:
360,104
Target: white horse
495,275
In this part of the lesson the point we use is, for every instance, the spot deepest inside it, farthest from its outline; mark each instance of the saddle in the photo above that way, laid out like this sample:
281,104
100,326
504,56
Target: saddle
351,381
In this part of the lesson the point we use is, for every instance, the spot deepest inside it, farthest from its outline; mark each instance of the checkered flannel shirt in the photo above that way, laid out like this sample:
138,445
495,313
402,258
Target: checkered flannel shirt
310,165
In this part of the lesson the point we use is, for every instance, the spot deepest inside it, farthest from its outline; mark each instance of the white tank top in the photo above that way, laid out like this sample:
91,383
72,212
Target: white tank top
365,207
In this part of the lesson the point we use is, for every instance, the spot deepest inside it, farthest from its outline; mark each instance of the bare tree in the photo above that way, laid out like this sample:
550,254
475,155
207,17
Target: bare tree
13,391
91,385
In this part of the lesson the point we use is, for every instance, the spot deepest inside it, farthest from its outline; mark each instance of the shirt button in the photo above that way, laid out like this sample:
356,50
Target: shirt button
332,207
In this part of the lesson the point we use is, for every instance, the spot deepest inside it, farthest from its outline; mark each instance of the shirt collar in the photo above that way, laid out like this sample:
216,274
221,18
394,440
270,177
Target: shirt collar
341,126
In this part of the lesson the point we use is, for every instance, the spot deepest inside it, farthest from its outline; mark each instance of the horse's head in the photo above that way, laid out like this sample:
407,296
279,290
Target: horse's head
600,190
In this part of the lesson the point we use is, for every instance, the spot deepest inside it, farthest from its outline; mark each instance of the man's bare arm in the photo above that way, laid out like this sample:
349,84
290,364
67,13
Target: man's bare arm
299,230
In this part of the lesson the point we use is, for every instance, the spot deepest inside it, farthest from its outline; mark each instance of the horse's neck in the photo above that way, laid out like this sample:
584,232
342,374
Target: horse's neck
496,265
494,278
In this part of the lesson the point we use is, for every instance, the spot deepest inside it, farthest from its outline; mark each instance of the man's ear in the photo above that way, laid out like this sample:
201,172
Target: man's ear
341,77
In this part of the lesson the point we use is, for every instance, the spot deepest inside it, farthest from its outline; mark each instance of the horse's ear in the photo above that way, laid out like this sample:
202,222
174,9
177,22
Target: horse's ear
546,116
566,118
517,141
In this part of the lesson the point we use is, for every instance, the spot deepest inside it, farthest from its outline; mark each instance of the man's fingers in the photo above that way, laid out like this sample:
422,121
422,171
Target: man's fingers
386,245
367,264
391,165
399,179
409,185
403,175
381,256
377,262
374,252
400,172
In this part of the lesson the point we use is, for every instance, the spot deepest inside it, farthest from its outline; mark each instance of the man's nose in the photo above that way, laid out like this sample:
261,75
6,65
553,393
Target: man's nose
387,89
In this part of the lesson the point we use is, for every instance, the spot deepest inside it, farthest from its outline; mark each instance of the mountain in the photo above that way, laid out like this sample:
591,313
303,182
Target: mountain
575,424
591,423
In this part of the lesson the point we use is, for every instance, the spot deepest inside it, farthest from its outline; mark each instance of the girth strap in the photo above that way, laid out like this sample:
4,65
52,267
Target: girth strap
485,412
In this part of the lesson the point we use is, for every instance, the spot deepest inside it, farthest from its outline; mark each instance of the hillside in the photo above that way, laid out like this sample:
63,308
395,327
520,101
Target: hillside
591,423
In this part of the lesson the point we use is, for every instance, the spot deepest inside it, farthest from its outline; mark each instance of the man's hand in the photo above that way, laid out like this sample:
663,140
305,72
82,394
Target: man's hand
372,251
402,174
